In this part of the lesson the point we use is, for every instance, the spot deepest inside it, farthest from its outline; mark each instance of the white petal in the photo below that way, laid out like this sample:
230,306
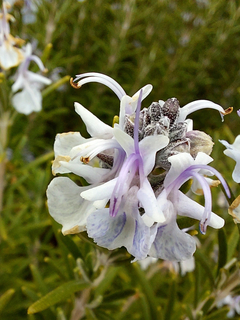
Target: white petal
149,202
233,151
126,141
197,105
66,206
38,79
148,149
9,56
179,163
91,174
128,104
145,92
190,208
27,101
103,191
95,127
64,142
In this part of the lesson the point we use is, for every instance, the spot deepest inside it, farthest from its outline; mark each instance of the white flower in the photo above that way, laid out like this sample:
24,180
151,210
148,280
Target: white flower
29,99
121,166
10,55
233,151
233,303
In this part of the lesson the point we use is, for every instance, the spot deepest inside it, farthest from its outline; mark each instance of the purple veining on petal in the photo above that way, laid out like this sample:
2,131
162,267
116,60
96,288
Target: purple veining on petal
132,164
124,178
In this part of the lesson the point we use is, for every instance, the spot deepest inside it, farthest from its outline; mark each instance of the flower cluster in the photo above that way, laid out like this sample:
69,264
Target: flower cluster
134,172
26,89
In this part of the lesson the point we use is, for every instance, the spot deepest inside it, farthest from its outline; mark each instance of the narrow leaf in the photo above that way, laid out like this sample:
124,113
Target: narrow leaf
5,298
222,245
59,294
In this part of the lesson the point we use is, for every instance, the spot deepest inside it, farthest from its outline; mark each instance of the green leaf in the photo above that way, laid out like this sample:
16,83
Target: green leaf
219,314
59,294
233,242
70,244
171,300
203,262
5,298
222,245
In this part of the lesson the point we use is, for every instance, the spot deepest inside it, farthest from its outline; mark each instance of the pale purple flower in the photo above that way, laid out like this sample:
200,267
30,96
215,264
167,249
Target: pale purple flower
233,151
29,99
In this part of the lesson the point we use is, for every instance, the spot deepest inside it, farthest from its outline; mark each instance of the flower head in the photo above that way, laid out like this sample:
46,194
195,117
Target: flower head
137,168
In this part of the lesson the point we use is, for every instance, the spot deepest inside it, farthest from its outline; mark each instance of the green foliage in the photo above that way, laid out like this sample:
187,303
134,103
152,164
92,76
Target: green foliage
186,49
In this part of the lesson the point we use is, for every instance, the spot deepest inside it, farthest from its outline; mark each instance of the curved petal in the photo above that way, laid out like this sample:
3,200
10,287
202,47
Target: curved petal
197,105
95,127
66,206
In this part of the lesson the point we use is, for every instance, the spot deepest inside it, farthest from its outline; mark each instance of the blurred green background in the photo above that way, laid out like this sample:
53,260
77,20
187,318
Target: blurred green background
185,49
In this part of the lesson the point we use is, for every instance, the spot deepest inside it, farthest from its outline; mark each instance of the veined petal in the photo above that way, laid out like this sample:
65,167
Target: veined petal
143,239
95,127
66,206
104,229
171,243
197,105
